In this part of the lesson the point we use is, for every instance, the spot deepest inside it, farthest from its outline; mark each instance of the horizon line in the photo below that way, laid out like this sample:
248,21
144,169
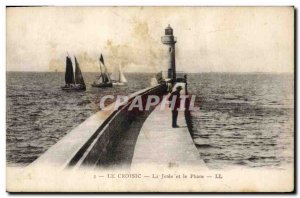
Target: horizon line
237,72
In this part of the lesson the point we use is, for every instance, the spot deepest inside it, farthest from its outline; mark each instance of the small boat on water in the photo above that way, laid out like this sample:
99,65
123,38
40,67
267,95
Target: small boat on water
117,77
73,83
104,79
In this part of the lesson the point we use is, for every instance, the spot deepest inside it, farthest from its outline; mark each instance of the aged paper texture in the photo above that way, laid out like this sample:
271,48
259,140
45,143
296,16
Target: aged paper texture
150,99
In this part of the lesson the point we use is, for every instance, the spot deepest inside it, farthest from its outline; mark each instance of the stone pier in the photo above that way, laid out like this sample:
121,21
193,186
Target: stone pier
159,144
125,139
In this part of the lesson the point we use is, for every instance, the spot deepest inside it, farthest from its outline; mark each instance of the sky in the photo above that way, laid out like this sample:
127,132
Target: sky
209,39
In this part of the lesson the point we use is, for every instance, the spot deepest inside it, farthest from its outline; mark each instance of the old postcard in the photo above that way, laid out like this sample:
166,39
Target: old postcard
150,99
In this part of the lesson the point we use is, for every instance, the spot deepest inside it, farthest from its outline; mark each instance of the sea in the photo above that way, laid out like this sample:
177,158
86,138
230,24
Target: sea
245,119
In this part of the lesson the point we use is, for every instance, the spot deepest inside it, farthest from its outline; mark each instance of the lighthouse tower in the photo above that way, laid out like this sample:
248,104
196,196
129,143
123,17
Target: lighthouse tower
169,40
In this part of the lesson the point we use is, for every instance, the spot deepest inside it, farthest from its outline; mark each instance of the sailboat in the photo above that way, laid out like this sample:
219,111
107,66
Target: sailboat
72,83
117,77
104,79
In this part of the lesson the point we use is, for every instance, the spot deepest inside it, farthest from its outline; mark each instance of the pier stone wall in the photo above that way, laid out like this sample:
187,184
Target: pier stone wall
88,143
97,151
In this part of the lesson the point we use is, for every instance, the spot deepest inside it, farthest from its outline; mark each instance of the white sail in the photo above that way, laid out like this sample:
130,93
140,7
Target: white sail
117,75
122,77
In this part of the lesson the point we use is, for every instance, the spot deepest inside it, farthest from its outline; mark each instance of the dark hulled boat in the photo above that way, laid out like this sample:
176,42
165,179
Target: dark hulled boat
77,83
104,79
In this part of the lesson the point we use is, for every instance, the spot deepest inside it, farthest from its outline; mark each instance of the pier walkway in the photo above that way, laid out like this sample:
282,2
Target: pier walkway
159,144
125,139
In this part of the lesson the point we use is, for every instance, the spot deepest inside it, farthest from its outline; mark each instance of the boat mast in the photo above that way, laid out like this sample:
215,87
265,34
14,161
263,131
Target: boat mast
119,74
101,68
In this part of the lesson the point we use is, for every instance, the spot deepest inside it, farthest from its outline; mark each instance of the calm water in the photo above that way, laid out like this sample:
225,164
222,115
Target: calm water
244,119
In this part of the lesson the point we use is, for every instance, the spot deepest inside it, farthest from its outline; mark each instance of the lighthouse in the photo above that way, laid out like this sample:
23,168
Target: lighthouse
169,40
